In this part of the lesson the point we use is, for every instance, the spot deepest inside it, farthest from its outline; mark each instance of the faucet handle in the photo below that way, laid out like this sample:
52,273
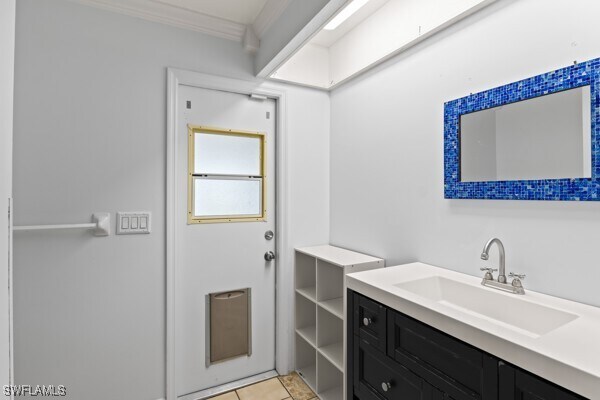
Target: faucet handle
516,280
516,276
489,273
490,270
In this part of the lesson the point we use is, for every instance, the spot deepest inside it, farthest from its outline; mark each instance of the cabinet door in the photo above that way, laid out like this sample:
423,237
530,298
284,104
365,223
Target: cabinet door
515,384
449,364
376,378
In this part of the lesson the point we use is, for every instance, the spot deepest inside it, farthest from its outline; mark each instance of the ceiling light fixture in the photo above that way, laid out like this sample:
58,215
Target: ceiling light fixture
345,14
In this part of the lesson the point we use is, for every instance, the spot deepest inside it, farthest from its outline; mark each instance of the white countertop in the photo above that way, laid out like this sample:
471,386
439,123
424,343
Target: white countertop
569,356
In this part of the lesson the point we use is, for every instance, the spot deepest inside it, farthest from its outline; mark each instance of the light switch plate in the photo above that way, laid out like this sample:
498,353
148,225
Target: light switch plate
133,223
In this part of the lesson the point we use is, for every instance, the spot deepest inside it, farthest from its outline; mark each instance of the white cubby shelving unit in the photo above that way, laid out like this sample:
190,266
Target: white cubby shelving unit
320,313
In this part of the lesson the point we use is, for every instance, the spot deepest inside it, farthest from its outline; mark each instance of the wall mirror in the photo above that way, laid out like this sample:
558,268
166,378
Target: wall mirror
536,139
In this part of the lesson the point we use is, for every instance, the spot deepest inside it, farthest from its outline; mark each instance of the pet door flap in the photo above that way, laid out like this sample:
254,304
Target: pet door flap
229,325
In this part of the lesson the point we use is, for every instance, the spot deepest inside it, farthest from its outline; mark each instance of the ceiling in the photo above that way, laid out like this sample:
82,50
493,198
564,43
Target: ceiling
227,19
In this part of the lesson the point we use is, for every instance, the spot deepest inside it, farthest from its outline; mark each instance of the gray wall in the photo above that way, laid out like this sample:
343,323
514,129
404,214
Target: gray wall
90,135
387,152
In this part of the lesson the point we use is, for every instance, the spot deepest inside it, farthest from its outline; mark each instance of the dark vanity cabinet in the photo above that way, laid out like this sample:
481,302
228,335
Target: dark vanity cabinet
394,357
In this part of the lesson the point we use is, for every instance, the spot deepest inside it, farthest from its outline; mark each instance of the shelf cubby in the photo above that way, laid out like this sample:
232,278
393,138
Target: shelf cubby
306,276
330,338
306,325
330,281
306,362
330,380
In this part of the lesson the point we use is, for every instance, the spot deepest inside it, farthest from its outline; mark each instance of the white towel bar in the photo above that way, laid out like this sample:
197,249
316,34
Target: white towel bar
100,225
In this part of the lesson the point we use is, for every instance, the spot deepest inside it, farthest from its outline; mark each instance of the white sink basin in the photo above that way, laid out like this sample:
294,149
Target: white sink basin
509,310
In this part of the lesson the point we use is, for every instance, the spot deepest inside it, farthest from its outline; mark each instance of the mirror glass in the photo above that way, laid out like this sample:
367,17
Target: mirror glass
547,137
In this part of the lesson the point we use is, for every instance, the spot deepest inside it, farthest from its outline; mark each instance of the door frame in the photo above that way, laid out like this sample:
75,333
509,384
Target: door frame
284,275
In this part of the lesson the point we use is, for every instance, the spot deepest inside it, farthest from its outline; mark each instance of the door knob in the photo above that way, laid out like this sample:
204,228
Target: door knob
269,256
385,386
367,321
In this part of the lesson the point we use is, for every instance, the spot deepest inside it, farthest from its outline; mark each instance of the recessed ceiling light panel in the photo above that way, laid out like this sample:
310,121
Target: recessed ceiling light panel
345,14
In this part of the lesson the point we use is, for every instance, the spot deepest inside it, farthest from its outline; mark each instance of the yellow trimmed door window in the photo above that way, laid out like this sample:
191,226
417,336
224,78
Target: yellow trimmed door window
226,181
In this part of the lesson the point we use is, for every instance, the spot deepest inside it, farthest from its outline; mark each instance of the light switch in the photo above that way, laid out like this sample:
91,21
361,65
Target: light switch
133,223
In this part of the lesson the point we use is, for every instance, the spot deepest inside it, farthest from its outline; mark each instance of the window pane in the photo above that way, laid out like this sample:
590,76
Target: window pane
227,154
227,197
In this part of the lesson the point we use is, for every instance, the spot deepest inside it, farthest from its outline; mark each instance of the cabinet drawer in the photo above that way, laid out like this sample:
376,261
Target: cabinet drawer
370,321
444,361
377,378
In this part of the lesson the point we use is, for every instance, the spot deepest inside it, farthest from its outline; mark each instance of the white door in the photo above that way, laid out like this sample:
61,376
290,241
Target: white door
226,204
7,50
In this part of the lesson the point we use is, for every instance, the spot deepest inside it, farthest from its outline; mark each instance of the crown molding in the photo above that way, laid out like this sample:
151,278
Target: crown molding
157,11
269,13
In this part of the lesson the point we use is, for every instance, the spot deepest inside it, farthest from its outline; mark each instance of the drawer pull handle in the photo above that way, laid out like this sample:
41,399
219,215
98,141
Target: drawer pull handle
367,321
386,386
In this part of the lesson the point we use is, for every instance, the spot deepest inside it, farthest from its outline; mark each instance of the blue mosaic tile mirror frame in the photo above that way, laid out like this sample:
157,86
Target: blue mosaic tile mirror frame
576,189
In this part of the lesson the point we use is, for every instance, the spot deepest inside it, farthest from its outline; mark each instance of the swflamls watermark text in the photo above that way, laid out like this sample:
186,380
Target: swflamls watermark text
35,390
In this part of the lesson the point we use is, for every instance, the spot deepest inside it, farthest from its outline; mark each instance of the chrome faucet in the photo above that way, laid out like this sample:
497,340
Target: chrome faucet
488,280
485,256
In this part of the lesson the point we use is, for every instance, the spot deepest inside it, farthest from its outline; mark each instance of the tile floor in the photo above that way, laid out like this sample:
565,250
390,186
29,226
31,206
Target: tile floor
288,387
